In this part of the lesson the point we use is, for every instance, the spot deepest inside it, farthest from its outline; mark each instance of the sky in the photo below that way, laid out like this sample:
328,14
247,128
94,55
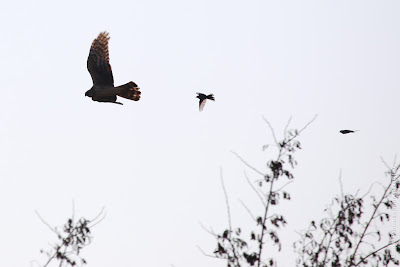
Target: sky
154,165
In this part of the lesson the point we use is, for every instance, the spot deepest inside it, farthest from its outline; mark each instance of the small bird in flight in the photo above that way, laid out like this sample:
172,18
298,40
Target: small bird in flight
348,131
98,65
203,99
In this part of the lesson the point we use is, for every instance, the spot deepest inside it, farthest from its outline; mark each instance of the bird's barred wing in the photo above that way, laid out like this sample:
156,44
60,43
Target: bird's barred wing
98,63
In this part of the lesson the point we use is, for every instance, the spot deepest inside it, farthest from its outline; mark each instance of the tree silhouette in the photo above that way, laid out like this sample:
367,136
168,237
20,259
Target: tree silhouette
239,250
350,235
72,238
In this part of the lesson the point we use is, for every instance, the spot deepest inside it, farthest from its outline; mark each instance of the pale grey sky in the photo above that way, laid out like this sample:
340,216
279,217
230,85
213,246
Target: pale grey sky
154,164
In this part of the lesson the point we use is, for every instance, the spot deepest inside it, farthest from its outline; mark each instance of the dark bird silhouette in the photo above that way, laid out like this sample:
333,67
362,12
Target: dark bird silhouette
203,98
98,65
347,131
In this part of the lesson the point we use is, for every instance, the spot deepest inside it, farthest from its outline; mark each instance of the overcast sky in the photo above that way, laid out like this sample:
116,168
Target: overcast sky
155,164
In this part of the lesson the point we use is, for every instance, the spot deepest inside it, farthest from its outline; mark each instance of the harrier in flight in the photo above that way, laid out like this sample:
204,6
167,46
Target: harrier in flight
203,99
98,65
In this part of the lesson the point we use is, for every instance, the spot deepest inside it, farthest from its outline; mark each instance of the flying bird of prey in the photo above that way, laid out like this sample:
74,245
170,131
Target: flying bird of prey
98,65
203,98
347,131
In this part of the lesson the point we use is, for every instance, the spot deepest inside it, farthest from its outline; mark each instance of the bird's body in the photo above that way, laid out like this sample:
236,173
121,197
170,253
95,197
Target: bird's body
202,99
347,131
98,65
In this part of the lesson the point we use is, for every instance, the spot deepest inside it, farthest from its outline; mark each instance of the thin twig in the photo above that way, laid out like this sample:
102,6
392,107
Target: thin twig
211,232
369,190
247,164
99,221
226,200
272,131
248,210
283,186
207,255
46,223
254,189
286,127
97,216
229,218
370,220
391,243
311,121
384,162
50,259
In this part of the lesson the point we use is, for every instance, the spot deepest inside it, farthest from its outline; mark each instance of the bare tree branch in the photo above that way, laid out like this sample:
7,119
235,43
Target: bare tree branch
311,121
247,164
248,210
272,131
207,255
286,127
283,186
226,200
101,213
254,189
373,214
46,223
373,252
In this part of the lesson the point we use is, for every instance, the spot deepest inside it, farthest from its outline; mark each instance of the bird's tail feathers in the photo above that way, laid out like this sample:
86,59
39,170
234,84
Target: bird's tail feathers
211,97
129,91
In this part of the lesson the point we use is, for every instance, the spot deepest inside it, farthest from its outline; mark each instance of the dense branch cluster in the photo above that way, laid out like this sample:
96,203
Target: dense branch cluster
351,235
241,250
343,238
72,238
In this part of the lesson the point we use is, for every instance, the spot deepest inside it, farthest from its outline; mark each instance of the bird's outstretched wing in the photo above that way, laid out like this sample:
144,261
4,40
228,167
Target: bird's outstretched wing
98,63
202,103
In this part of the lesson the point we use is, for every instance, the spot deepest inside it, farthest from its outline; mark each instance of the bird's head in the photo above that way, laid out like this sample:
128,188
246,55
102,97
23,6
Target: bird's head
89,93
